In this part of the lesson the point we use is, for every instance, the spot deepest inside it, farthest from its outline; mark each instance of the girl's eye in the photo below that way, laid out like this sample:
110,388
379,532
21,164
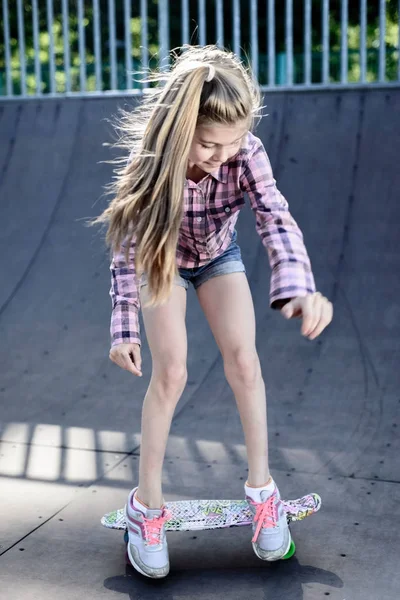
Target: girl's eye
211,147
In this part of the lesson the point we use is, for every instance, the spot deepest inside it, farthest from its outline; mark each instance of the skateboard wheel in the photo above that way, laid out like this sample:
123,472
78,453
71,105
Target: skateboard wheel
126,537
290,552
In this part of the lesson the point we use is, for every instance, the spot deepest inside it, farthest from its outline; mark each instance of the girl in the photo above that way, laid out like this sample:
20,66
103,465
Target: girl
171,222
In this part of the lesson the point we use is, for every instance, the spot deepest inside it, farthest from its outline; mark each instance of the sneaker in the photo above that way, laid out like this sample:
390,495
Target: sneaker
147,546
271,536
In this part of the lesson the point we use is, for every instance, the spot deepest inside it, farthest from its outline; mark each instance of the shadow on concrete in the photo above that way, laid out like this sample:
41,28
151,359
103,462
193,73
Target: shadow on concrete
280,580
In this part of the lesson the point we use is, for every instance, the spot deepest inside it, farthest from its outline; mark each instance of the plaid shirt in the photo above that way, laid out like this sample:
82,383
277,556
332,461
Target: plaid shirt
212,208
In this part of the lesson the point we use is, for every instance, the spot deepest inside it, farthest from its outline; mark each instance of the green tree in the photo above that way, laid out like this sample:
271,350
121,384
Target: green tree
391,39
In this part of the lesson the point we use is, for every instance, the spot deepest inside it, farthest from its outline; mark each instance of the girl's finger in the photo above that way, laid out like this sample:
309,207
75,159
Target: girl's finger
316,313
308,315
129,365
137,358
326,318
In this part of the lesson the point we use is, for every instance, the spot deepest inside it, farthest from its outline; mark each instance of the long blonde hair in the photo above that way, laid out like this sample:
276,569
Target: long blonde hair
148,191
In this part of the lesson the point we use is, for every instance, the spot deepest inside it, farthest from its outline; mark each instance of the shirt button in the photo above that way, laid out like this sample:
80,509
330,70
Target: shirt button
227,209
199,219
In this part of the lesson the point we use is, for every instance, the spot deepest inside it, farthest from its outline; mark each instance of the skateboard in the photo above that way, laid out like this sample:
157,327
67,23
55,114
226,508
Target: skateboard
196,515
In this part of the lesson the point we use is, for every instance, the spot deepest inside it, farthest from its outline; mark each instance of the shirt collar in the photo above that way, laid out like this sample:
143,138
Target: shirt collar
220,174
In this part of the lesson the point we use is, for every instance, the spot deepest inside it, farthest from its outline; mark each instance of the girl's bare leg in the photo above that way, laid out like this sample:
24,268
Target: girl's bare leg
228,306
166,335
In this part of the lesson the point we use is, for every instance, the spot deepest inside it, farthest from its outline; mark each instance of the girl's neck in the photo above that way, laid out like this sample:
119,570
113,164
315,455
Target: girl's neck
195,174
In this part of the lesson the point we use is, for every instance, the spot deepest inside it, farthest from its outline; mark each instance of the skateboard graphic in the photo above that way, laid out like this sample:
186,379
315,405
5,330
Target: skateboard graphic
196,515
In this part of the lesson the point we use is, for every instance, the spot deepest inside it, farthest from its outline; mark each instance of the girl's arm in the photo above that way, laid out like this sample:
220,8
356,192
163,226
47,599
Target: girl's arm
124,293
291,269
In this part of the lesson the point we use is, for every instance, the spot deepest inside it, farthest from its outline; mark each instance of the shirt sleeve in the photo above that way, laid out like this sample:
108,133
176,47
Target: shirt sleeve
291,269
124,293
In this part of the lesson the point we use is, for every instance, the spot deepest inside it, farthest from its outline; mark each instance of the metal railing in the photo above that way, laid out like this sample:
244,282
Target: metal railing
69,47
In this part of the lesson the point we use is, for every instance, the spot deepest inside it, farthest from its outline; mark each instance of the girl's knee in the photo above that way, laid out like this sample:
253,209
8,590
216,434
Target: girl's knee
243,366
170,377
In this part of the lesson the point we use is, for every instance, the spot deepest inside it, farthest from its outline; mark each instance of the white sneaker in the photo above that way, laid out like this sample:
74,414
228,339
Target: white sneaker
271,536
147,546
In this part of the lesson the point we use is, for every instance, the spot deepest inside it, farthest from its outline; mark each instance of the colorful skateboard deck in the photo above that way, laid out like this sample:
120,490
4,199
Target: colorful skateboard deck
195,515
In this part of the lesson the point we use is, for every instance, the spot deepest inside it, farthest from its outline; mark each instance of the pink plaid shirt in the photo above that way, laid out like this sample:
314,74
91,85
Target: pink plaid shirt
212,208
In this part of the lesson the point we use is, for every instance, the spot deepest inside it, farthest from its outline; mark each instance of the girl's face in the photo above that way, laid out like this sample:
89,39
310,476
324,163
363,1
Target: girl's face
214,145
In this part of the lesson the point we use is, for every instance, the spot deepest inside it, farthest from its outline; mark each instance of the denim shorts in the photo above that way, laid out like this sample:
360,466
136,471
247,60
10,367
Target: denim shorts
228,262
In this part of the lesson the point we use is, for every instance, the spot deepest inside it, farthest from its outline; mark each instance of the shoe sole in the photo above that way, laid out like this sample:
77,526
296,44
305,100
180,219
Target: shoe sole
275,558
138,568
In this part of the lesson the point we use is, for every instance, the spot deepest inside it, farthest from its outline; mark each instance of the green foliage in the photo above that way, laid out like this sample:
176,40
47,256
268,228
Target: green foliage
89,58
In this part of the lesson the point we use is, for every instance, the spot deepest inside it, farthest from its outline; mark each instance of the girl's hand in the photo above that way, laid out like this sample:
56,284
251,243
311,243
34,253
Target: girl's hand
316,311
127,356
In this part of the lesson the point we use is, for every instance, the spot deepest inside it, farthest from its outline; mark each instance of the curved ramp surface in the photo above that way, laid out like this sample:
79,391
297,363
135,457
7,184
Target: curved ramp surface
70,420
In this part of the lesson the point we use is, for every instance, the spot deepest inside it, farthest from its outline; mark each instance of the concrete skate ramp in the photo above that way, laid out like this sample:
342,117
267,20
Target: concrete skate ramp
70,420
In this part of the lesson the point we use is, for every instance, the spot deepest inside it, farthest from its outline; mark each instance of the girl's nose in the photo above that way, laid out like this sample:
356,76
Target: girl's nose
221,155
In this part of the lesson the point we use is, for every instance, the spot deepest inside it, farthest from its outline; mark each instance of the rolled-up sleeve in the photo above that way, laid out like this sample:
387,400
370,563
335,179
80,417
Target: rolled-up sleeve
124,293
291,269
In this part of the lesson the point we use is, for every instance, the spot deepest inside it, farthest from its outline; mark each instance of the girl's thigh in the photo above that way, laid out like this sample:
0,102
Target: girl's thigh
166,331
228,306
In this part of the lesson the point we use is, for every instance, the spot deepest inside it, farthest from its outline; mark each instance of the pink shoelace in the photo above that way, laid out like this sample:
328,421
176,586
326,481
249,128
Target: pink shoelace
153,527
266,515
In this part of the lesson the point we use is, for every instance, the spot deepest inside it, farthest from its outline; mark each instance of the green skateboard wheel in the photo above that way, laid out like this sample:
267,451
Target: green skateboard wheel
290,552
126,537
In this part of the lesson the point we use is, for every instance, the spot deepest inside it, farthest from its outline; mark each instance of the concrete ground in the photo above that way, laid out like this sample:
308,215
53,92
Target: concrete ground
70,419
